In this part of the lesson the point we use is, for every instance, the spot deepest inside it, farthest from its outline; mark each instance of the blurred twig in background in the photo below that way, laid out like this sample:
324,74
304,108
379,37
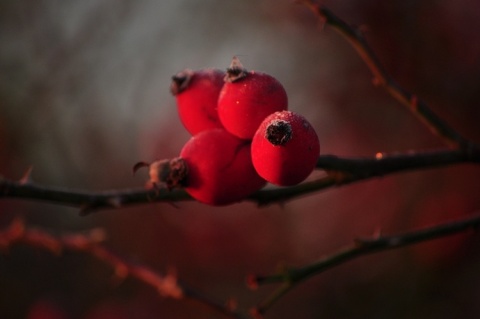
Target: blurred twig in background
381,77
291,277
91,243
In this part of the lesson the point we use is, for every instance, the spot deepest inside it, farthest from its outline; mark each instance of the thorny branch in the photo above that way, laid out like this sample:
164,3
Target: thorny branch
293,276
381,77
86,201
341,171
91,243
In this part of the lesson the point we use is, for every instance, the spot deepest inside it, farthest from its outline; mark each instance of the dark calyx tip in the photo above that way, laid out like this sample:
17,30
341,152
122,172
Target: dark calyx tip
172,172
176,174
180,81
235,71
279,132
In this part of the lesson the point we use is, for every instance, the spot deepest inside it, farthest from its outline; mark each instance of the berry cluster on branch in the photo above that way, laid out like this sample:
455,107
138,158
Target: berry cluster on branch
243,137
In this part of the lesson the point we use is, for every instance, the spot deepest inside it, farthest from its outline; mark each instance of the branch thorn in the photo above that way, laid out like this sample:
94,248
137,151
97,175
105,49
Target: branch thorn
252,282
414,101
376,81
26,178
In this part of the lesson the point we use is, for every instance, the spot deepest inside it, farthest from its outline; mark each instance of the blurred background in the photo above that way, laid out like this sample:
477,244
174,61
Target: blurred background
84,94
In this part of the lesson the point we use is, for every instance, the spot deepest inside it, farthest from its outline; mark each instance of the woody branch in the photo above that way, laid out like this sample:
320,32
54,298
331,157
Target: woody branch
341,171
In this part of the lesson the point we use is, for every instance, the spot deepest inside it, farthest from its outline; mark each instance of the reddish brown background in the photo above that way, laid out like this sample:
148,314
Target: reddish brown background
84,95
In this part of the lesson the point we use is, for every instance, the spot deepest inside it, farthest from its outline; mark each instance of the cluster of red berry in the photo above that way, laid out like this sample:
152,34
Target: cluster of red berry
242,136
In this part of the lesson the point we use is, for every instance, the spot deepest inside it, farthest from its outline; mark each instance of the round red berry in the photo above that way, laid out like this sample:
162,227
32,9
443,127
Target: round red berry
214,167
285,148
197,94
247,98
220,169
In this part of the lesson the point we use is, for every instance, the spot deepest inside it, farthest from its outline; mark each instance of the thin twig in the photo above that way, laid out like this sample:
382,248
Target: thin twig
341,171
381,77
88,202
290,278
90,243
384,163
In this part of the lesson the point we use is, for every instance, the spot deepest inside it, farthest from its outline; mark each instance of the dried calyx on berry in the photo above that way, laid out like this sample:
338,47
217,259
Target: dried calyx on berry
246,98
278,132
180,81
235,71
170,172
285,148
196,93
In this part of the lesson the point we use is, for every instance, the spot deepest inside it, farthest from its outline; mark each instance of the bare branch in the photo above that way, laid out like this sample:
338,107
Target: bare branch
419,107
90,243
384,163
290,278
341,171
88,201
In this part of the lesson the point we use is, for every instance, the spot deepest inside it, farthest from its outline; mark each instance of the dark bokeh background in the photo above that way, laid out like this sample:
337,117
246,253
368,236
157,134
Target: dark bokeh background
84,95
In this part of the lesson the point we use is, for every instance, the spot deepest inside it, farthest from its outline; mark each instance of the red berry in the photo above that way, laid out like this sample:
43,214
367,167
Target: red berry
247,98
285,148
214,167
197,93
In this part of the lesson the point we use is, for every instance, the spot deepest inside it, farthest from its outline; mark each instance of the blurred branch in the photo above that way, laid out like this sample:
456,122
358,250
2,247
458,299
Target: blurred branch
90,243
341,171
293,276
355,37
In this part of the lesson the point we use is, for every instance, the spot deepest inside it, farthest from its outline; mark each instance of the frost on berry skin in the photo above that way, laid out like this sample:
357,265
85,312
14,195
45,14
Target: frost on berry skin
285,148
196,93
220,169
246,98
